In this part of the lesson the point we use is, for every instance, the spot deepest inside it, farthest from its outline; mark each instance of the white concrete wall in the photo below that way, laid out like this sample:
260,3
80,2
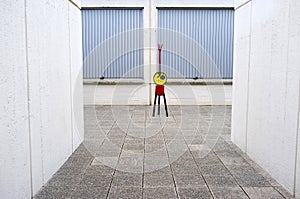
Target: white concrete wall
49,87
240,73
39,124
76,73
266,86
14,132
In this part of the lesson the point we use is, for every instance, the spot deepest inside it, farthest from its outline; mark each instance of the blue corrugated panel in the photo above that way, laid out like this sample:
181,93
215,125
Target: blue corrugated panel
112,43
197,42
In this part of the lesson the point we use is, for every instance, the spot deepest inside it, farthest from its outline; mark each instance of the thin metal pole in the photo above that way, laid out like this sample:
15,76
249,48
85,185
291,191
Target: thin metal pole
159,56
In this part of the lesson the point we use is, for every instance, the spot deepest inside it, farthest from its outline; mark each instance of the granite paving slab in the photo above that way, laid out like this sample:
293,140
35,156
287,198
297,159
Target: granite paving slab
127,153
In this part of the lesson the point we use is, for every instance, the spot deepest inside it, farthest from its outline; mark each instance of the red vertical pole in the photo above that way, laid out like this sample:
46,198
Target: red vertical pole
159,56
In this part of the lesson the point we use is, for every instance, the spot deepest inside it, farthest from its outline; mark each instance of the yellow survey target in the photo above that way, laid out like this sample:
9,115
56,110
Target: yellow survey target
160,78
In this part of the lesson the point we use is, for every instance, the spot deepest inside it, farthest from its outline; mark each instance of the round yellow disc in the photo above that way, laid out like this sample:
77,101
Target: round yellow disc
160,78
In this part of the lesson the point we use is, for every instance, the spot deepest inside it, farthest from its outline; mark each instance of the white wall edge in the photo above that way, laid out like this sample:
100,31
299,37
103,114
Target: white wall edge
28,100
236,7
297,156
75,3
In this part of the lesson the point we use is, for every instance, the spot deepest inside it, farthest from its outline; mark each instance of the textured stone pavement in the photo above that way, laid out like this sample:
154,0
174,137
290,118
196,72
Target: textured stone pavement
127,153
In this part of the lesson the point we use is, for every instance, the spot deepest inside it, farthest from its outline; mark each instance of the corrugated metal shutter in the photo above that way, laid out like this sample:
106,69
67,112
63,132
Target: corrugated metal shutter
112,43
211,29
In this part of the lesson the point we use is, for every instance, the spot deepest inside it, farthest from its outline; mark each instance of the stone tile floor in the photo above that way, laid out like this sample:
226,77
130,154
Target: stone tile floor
127,153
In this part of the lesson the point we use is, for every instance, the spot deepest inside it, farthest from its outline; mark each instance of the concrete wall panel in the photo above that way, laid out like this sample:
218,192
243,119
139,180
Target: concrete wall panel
37,112
269,138
14,129
293,83
76,74
240,74
273,95
49,87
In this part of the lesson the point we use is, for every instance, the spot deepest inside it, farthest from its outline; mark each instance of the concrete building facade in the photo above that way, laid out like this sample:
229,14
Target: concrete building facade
202,91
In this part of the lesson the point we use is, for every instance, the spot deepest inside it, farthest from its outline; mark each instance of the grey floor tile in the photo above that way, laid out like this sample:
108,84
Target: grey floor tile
158,180
237,160
50,192
241,169
151,141
263,192
65,180
96,180
109,161
127,180
154,159
78,161
81,151
157,169
87,192
193,193
187,155
184,162
159,192
107,153
189,181
228,193
177,170
208,159
125,192
70,171
206,152
269,178
228,154
99,170
133,147
220,181
154,147
215,169
283,192
222,146
132,160
130,169
253,180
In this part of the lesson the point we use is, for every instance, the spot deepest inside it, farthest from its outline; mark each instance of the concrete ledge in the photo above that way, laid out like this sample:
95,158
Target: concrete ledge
200,82
170,82
112,81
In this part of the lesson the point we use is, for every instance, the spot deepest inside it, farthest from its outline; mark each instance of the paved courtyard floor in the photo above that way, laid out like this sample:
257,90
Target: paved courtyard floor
127,153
